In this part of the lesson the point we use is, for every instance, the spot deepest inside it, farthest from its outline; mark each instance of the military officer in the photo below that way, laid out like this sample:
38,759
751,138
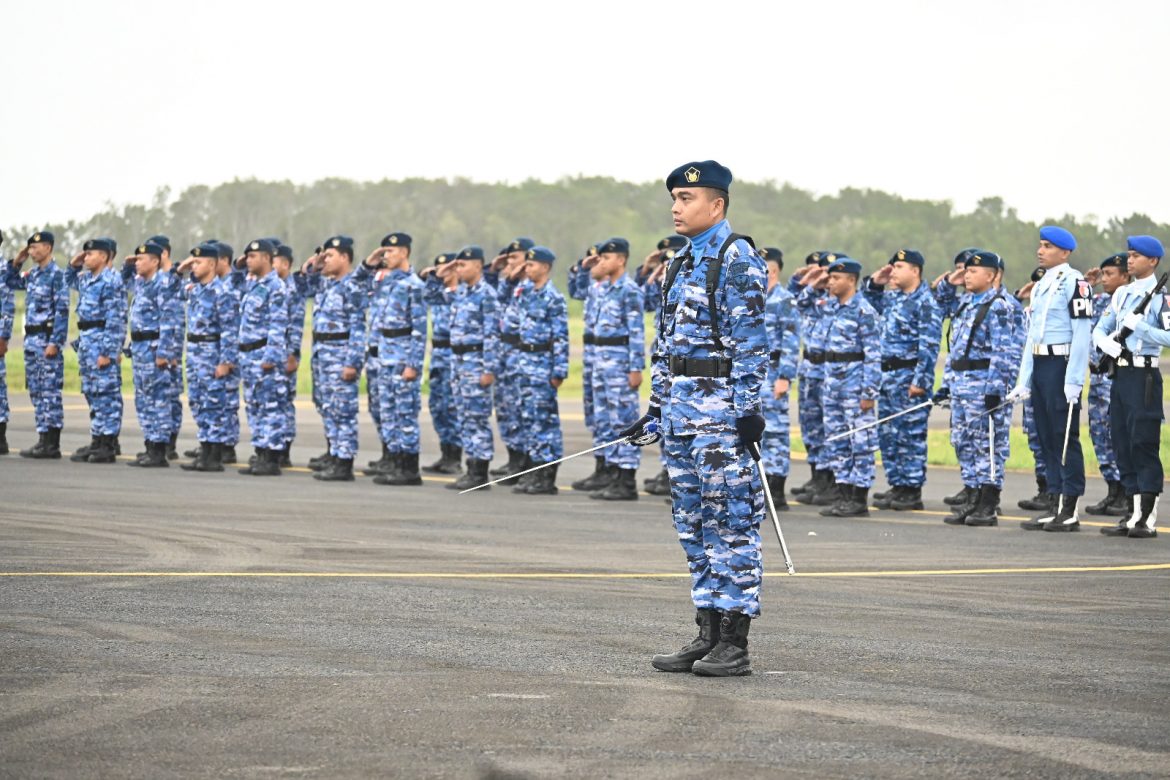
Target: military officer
233,280
441,398
782,321
812,300
1052,373
711,359
1135,340
506,275
7,317
1111,274
176,384
581,279
282,262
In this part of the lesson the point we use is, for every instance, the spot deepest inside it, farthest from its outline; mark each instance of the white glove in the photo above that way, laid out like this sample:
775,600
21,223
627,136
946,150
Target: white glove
1018,393
1072,393
1109,346
1131,320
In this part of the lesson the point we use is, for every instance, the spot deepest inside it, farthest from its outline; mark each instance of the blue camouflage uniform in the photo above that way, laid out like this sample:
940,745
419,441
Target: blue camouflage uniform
155,314
475,322
441,397
294,286
339,341
263,348
614,317
852,374
1100,389
7,318
542,355
580,282
46,321
506,395
212,333
911,328
234,283
176,384
717,496
782,320
812,305
101,329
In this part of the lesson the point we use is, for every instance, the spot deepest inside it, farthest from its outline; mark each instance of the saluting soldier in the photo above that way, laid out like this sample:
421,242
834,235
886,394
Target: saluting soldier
441,398
506,274
233,280
1111,274
581,279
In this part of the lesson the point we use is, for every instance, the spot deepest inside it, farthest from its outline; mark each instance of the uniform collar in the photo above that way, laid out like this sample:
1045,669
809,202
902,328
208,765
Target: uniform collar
707,243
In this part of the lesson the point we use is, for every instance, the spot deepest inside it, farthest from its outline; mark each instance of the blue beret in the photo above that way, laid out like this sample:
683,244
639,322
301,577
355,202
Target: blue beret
397,239
444,258
707,173
845,265
965,255
162,241
672,242
261,245
471,252
148,247
100,244
207,249
521,244
1038,274
44,236
985,259
541,254
1145,245
1058,237
285,251
774,254
225,250
912,256
338,242
618,245
1119,260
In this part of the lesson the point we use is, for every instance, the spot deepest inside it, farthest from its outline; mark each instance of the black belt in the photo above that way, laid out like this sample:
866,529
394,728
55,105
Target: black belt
970,365
372,351
892,364
510,338
463,349
90,324
144,335
252,346
708,367
542,347
844,357
342,335
440,343
816,358
202,338
607,341
32,330
395,333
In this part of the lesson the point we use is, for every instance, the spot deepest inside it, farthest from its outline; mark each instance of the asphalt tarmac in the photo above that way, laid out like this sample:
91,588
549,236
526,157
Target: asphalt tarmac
162,624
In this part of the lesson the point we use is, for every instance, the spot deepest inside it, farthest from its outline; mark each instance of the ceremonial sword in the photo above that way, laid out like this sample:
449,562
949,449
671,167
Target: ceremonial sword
834,437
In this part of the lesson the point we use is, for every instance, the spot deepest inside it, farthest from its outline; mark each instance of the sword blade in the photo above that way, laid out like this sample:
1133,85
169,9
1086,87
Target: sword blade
546,465
860,428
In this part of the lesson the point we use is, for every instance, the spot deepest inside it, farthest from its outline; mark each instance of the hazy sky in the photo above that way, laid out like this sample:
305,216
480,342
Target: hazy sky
1058,107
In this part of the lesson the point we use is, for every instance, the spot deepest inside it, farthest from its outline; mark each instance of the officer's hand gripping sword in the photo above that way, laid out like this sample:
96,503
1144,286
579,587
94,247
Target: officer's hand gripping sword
754,450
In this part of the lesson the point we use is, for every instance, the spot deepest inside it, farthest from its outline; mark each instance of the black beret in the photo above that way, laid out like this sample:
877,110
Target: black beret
162,241
261,245
672,242
397,239
44,236
707,173
100,244
285,251
149,247
773,254
471,252
912,256
207,249
618,245
1119,260
984,259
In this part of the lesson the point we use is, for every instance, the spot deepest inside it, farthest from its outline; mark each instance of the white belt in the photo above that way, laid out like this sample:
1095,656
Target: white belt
1138,361
1051,349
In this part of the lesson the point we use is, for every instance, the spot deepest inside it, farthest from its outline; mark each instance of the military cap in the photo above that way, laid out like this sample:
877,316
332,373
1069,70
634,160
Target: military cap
285,251
207,249
813,258
1119,260
707,173
672,242
225,250
541,254
42,236
149,247
338,242
471,252
1058,237
983,259
773,254
912,256
100,244
162,241
113,244
397,239
828,257
965,254
618,245
591,251
1038,274
261,245
1146,245
521,244
444,258
845,265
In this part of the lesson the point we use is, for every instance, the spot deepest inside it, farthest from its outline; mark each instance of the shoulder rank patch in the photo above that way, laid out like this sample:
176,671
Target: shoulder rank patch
1080,306
739,275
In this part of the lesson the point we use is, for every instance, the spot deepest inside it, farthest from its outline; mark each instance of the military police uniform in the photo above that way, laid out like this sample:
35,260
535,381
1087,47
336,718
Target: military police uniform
1135,408
441,394
101,327
46,321
1115,502
782,321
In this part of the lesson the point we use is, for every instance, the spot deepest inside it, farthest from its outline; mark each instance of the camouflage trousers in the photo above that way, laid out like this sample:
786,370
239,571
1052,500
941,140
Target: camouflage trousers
290,409
776,447
401,401
102,388
206,394
152,397
232,416
1029,424
718,504
441,405
509,407
335,399
264,399
3,390
615,408
809,415
850,458
902,441
176,390
45,378
375,405
587,395
540,412
475,406
972,439
1100,431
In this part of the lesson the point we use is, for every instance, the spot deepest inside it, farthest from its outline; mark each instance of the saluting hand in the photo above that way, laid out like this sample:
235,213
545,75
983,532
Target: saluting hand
77,259
1093,276
881,277
21,256
955,277
1025,292
3,347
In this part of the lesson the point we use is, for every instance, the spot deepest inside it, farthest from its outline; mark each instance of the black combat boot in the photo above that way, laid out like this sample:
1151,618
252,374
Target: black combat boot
474,475
200,459
214,461
828,494
515,458
708,622
521,463
624,488
1148,509
1127,522
454,454
1102,507
385,467
599,479
338,470
986,511
960,498
658,485
1038,502
776,486
192,453
267,463
1122,506
229,454
885,499
103,451
729,658
284,456
520,483
910,498
1066,516
406,474
381,462
1038,522
82,453
46,448
322,461
437,466
809,488
35,450
960,512
117,445
4,438
854,503
544,482
155,456
172,453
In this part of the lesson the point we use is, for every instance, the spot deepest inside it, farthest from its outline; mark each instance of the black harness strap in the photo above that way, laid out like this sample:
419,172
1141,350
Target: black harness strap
714,271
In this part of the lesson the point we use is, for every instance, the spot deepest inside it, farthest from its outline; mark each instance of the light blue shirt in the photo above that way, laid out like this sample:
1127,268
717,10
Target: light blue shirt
1061,313
1153,332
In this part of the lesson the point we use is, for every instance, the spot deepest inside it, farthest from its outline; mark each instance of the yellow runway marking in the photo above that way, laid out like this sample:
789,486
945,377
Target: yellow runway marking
574,575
